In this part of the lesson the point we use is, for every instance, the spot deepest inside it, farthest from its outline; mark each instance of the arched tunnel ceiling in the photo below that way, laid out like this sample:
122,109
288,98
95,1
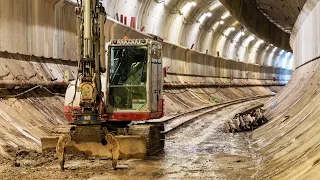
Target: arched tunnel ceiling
203,25
283,13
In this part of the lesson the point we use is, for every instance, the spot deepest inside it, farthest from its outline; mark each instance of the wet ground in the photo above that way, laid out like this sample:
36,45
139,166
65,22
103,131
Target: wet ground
198,150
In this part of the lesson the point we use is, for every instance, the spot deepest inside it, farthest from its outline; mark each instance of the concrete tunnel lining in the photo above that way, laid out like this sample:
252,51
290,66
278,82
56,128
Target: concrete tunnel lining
190,79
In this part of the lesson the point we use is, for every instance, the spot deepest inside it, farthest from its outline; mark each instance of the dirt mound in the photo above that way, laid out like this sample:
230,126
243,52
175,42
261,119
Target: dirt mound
22,157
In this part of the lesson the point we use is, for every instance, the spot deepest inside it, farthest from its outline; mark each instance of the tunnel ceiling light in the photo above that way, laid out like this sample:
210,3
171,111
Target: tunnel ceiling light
274,49
204,16
221,22
281,52
225,15
248,40
258,44
228,31
186,8
215,5
167,1
237,37
73,1
214,27
288,54
267,48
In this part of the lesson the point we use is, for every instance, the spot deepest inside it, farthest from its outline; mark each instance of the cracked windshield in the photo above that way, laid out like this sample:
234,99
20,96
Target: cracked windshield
128,77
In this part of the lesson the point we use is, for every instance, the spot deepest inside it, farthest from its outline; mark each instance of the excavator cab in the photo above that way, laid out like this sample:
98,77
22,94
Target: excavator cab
127,78
134,83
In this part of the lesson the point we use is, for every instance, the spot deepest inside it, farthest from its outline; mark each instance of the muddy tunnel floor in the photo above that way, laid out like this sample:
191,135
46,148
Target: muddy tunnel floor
198,150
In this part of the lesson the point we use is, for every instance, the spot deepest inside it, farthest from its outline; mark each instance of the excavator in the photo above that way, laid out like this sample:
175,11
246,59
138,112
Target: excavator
110,102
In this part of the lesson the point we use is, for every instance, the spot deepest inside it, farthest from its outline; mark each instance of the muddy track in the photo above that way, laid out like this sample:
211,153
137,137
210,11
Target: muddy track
201,149
174,122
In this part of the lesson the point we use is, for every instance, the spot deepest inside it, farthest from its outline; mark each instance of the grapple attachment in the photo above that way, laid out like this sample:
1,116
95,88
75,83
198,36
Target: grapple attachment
111,150
94,142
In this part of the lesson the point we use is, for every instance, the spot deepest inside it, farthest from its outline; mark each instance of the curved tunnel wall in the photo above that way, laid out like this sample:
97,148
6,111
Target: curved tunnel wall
289,143
305,31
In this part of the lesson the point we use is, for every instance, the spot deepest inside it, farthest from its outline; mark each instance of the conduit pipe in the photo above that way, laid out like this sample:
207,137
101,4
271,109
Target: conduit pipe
25,84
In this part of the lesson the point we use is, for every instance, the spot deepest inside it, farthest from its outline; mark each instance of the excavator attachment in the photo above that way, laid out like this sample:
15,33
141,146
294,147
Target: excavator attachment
118,147
94,142
111,150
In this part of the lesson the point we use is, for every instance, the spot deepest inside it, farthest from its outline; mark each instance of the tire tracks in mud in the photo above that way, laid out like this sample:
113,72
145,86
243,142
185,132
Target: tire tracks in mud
174,122
199,147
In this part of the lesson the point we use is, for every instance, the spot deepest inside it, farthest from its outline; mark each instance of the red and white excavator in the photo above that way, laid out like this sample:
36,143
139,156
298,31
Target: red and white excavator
112,93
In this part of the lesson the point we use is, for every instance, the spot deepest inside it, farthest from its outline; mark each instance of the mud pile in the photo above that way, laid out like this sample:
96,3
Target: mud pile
246,121
22,157
29,158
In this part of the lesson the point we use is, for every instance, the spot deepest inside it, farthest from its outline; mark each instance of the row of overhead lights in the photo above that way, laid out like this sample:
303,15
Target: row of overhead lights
242,33
188,6
223,17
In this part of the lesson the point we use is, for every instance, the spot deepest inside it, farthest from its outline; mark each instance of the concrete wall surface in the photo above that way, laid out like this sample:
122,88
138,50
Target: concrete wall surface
38,27
289,143
305,39
25,68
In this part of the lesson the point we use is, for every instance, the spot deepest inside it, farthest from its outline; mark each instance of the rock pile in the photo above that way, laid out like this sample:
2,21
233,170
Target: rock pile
246,121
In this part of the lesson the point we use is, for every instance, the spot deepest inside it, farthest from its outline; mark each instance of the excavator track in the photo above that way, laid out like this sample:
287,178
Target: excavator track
153,134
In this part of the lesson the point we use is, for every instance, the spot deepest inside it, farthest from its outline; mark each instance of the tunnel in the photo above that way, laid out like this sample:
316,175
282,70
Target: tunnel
220,59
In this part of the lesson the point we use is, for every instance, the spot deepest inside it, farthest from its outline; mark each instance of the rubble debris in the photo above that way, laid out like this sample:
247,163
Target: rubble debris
246,121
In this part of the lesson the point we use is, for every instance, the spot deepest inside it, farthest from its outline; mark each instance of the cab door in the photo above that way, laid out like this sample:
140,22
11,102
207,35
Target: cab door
156,76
